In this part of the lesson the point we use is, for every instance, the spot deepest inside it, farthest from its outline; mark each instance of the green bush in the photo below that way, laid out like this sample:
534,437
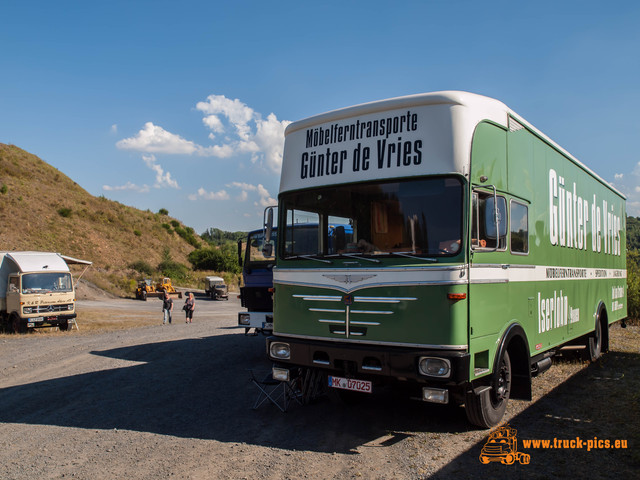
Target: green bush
64,212
137,233
167,227
172,269
188,235
163,211
4,189
142,267
222,259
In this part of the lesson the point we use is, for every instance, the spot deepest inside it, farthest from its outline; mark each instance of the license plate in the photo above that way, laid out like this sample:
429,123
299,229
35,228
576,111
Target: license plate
350,384
267,325
31,325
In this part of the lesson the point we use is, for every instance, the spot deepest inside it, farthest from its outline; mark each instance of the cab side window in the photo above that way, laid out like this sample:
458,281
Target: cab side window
519,228
14,284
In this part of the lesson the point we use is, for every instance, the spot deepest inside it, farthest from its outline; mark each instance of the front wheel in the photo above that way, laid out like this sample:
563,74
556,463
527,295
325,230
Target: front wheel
485,407
17,324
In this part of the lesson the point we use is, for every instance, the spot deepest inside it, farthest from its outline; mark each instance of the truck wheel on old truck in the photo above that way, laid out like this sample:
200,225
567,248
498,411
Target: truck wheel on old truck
485,407
594,341
17,324
63,326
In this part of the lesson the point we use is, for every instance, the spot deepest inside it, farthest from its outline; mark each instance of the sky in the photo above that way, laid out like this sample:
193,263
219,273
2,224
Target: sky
183,105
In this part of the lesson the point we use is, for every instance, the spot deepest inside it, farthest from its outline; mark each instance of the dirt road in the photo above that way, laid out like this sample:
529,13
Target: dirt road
175,402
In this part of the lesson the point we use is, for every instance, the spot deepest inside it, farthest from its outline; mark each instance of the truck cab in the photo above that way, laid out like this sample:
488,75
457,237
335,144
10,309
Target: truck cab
36,290
257,293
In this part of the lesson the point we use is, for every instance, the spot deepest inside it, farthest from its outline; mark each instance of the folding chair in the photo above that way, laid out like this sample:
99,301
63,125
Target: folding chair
275,391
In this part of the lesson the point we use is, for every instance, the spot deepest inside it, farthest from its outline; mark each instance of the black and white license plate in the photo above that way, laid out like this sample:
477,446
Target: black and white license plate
354,385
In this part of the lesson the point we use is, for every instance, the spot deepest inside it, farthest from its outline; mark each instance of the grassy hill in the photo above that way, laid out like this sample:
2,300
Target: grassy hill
43,209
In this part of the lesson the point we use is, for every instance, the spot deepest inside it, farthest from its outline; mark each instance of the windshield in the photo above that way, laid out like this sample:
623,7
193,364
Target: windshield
46,282
256,251
416,217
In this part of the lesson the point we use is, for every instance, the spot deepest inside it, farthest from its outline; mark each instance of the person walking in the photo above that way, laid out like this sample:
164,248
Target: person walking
167,308
189,307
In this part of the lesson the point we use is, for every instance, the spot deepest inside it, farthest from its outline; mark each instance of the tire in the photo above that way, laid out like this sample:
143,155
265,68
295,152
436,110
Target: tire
64,326
594,341
17,325
486,408
143,295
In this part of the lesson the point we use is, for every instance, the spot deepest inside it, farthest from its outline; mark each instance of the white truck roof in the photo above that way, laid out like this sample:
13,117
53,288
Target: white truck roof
14,262
36,261
214,279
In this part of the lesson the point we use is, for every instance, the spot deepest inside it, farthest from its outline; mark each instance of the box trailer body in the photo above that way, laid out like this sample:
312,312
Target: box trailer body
480,247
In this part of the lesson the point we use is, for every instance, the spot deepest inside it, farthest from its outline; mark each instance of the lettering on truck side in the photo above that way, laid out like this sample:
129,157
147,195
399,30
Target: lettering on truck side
569,215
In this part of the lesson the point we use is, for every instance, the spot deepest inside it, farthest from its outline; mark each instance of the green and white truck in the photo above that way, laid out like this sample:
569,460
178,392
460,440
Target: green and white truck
479,247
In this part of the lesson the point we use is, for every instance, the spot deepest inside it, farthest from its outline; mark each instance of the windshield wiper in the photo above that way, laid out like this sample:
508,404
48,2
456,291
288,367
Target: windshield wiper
359,256
309,257
414,256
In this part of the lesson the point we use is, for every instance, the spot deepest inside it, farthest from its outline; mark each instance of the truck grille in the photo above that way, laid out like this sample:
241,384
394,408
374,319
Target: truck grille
352,318
65,307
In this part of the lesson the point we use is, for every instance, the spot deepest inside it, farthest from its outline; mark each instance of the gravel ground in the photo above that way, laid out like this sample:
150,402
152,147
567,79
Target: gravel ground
175,401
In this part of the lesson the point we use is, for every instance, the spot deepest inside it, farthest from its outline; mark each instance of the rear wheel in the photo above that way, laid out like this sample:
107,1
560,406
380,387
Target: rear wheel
594,341
485,407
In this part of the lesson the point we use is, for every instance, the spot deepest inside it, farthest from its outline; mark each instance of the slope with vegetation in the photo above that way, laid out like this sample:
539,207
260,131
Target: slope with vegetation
43,209
633,268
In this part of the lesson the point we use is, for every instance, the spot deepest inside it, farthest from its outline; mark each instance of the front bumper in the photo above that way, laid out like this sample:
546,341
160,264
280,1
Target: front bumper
49,321
380,363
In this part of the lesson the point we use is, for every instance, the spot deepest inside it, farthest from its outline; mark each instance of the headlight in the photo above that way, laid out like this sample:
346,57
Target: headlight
280,350
27,310
244,319
70,306
281,374
434,367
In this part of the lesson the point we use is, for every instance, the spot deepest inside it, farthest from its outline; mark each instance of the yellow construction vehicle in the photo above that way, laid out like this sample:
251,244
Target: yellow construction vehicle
166,286
146,288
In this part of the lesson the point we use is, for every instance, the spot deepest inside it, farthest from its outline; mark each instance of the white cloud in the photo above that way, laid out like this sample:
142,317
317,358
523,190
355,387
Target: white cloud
263,139
127,186
214,124
247,133
114,128
163,179
265,199
155,139
236,112
202,193
629,185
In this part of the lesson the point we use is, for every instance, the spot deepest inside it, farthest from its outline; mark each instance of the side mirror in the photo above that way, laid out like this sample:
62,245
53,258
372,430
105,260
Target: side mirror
495,217
268,224
240,253
267,250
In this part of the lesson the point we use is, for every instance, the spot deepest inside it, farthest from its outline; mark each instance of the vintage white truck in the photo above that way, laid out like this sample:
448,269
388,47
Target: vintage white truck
36,290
